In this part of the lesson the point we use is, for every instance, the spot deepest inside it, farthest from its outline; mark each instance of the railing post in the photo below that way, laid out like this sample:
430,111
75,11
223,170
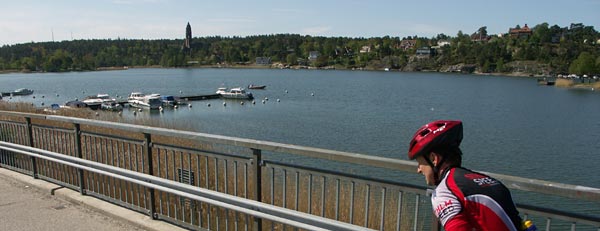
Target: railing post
435,221
257,161
148,152
30,143
79,154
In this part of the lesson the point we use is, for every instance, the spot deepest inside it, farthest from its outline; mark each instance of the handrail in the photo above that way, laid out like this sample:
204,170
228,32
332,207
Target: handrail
513,182
247,206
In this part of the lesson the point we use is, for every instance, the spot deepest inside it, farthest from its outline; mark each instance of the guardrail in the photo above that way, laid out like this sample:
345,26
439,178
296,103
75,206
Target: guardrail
211,164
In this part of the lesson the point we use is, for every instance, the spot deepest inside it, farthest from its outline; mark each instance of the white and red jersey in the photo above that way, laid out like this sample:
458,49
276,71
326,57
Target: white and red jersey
467,200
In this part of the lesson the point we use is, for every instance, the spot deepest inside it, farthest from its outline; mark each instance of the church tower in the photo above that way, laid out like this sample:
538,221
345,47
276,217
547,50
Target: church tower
186,47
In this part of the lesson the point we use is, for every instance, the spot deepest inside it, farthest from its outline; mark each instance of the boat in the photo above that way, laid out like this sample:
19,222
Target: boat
168,100
22,91
546,81
75,104
95,102
234,93
140,100
252,86
111,106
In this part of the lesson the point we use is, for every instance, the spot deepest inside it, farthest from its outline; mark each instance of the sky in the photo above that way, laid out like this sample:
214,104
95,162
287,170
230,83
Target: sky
23,21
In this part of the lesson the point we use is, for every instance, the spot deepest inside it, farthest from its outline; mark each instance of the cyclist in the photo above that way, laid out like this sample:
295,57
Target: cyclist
462,199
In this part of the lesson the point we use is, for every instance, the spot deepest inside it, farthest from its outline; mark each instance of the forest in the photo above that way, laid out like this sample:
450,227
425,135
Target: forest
550,49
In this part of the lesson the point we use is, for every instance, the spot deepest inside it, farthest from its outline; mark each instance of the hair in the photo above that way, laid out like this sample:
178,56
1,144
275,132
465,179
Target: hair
452,155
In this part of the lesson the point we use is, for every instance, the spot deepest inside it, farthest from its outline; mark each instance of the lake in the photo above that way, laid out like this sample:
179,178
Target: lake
511,125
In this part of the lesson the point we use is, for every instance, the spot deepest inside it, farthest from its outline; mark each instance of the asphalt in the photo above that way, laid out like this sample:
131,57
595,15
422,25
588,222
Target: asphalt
28,204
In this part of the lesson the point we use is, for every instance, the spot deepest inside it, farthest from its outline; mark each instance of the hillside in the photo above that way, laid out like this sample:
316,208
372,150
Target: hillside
543,50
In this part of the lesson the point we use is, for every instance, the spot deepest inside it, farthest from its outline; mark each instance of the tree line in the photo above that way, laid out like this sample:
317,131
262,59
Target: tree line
557,49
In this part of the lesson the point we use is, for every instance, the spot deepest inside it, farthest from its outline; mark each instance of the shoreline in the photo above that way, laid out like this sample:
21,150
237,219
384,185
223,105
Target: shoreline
237,66
590,86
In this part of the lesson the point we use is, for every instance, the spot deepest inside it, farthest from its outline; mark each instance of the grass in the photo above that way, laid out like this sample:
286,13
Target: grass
569,83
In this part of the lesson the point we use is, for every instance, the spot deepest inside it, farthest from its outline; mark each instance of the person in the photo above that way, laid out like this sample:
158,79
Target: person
462,199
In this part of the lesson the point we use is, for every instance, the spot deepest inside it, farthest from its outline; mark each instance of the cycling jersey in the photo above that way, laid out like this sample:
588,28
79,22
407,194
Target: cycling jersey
468,200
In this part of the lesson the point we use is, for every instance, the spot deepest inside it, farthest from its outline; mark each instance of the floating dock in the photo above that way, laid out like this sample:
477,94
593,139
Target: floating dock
198,97
183,99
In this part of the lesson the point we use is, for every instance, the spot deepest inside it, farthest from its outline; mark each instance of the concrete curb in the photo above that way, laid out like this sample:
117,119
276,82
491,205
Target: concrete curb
127,216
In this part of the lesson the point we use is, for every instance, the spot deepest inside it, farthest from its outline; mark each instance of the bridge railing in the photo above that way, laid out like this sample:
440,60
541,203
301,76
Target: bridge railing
267,172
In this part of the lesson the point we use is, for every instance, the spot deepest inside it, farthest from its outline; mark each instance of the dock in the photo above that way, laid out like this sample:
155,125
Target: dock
183,99
198,97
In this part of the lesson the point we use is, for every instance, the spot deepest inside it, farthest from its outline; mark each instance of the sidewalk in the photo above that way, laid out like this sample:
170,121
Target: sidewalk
26,204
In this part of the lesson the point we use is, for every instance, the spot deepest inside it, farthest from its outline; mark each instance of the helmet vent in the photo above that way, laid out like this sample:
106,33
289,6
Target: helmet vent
424,132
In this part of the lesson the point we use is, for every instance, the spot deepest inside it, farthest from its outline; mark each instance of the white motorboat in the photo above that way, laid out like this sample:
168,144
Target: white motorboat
234,93
95,102
140,100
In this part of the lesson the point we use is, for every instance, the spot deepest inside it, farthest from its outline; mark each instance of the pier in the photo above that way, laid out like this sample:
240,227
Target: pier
183,99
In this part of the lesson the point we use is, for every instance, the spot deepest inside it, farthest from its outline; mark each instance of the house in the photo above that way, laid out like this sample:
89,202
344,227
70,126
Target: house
442,43
425,51
518,32
575,26
263,60
480,37
365,49
313,55
407,44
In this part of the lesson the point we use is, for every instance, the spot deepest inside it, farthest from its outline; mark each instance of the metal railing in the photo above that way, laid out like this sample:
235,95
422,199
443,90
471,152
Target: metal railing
241,168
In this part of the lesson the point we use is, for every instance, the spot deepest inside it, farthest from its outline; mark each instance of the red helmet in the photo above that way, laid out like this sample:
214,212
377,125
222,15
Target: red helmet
434,134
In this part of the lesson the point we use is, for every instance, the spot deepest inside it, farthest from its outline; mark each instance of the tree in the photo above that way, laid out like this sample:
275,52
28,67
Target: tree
292,59
583,65
482,31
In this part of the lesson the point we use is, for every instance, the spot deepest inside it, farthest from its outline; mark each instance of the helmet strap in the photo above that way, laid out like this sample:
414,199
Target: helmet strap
435,168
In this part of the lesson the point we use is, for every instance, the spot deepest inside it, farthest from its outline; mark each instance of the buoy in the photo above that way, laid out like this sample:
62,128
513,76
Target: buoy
432,109
312,94
120,113
278,100
208,104
34,96
253,102
224,104
76,99
180,91
57,95
42,104
161,109
242,103
190,105
266,98
286,91
263,101
140,110
43,96
134,112
97,114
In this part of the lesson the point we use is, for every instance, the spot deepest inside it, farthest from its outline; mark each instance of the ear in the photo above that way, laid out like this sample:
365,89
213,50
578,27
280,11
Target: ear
435,158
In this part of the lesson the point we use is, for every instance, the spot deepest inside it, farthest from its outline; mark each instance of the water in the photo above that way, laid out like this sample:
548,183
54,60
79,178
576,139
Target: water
512,126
